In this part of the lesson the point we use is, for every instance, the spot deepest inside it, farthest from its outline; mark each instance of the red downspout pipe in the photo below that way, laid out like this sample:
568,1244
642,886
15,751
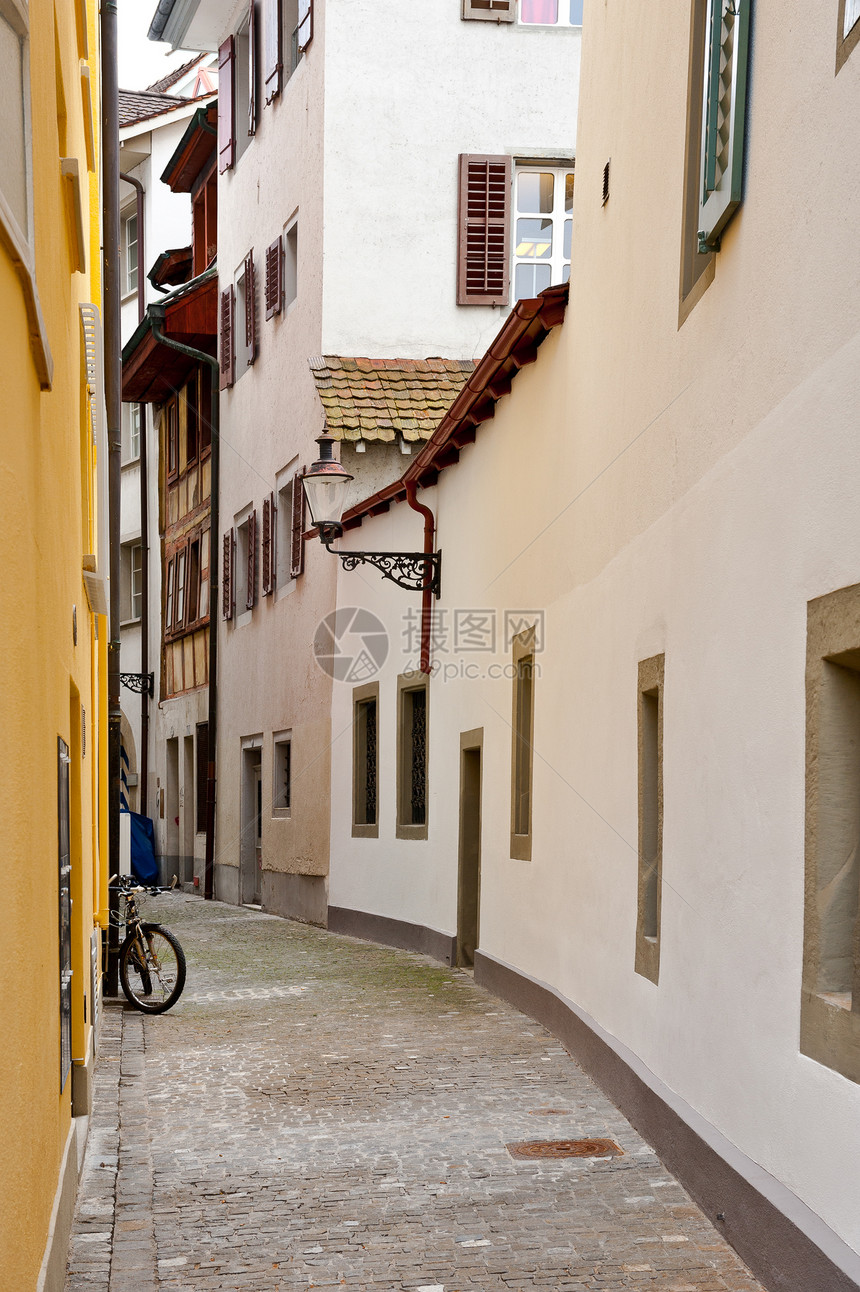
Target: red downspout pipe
427,594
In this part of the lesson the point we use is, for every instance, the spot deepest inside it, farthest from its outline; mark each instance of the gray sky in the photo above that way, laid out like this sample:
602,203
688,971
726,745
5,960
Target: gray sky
142,61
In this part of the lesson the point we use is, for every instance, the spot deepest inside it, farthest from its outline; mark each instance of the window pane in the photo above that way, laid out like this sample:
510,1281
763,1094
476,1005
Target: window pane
568,194
852,13
534,191
134,445
565,274
531,279
534,239
568,226
538,10
576,13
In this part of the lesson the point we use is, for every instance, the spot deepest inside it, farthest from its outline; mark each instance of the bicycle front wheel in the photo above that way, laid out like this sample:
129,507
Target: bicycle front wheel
152,969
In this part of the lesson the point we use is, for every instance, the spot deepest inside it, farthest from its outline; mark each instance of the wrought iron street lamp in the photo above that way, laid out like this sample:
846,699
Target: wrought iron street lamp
326,484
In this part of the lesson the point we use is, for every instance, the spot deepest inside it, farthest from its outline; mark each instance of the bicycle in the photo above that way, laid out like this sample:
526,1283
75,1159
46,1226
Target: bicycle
151,961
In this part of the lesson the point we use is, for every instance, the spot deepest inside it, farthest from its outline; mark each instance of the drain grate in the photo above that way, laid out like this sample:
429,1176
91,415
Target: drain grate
549,1112
565,1148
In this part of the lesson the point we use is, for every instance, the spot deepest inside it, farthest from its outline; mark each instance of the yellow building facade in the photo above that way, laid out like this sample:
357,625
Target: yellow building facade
53,623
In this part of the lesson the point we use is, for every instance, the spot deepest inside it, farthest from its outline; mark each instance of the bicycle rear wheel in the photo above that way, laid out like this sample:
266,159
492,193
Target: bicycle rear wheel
152,983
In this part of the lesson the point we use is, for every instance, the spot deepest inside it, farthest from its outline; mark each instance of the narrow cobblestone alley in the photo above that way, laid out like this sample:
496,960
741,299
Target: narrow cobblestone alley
318,1112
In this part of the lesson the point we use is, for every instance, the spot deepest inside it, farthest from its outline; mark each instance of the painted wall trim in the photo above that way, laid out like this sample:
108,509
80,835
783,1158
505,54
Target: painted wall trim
52,1275
393,933
785,1244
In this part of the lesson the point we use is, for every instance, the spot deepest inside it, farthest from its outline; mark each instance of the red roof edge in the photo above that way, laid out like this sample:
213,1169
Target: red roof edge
526,327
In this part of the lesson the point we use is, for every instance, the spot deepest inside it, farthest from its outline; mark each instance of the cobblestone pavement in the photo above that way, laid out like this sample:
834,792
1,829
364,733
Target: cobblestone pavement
318,1112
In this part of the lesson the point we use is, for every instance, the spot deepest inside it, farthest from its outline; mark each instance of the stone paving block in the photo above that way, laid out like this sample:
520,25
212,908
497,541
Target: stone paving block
318,1112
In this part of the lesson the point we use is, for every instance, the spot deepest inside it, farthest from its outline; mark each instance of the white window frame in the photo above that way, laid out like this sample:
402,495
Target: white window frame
557,262
136,583
129,283
567,10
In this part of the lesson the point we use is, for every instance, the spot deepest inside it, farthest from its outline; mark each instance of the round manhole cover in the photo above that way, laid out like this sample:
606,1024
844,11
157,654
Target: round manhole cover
566,1148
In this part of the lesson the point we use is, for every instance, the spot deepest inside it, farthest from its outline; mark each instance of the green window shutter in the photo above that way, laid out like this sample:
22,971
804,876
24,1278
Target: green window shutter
723,116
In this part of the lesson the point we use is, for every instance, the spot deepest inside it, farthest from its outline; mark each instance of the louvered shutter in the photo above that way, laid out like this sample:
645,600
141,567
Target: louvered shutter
226,116
266,580
227,598
484,230
252,68
272,48
250,308
723,115
274,278
228,348
305,30
252,561
297,549
490,10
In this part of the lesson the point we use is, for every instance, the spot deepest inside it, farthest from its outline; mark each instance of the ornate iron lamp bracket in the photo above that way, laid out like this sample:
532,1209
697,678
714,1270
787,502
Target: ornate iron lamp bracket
138,682
414,571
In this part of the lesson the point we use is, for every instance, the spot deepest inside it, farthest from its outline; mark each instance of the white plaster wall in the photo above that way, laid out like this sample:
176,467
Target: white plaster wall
409,88
656,489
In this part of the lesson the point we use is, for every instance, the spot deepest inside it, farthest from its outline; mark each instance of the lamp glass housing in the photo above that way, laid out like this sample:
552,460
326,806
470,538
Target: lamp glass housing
326,495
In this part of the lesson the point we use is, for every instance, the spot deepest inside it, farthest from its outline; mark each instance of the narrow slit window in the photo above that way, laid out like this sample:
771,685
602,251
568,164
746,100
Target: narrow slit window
282,788
365,755
523,739
412,762
650,795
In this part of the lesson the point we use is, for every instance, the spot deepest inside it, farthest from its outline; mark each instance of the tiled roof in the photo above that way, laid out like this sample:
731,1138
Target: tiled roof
137,105
162,86
379,399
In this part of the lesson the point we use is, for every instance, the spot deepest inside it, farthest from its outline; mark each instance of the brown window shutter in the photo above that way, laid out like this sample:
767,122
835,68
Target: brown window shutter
272,48
227,347
483,255
490,10
227,574
274,278
266,549
252,561
250,308
297,551
252,67
226,111
306,24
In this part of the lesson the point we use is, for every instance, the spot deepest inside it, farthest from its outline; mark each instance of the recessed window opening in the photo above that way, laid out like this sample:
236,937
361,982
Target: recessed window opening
543,224
241,565
412,760
650,704
282,788
243,89
650,814
243,349
291,263
523,758
365,760
839,835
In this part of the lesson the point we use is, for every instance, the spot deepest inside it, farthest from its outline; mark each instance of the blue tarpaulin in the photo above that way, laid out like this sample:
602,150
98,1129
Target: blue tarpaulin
144,867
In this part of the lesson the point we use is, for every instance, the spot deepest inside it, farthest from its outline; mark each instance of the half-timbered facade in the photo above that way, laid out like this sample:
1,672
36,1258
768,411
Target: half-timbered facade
178,387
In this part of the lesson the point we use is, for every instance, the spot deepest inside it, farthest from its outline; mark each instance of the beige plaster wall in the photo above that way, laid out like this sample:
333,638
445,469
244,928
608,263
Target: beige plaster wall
658,491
